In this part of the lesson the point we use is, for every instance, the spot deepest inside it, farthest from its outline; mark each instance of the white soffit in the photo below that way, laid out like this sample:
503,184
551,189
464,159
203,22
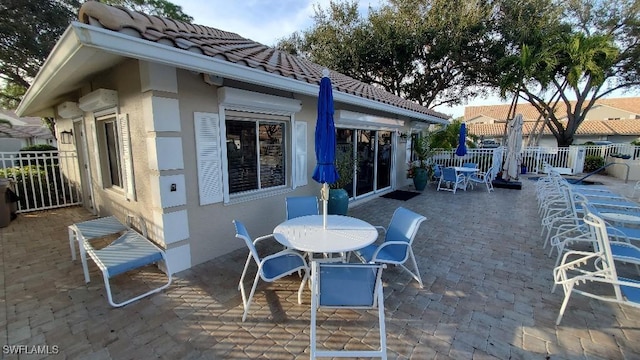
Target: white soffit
350,118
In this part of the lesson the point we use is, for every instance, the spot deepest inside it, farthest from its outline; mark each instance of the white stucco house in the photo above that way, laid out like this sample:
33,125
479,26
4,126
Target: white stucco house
192,127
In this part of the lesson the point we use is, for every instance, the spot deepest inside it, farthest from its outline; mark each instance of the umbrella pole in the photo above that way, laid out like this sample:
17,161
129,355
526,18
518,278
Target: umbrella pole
325,196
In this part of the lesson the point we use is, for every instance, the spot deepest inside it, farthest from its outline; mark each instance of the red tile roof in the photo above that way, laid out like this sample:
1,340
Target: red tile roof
529,112
233,48
588,127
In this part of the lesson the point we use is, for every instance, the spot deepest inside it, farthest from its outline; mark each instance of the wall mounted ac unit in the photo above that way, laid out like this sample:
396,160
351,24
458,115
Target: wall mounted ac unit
98,100
69,110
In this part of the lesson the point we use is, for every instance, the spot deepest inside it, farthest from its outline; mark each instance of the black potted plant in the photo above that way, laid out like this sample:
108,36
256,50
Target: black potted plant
338,203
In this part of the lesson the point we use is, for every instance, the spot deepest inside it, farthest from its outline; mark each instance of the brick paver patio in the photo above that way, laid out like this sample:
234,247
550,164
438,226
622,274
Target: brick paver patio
486,296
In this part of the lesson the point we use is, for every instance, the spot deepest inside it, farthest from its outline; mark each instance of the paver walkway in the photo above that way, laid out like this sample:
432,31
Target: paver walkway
486,296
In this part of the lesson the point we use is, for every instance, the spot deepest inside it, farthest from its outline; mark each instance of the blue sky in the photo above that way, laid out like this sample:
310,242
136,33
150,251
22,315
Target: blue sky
266,21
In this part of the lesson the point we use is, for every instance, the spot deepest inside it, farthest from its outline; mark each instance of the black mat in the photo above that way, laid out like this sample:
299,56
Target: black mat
499,183
400,195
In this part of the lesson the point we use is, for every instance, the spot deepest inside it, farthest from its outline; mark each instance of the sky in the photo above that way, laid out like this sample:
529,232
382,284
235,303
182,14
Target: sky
267,21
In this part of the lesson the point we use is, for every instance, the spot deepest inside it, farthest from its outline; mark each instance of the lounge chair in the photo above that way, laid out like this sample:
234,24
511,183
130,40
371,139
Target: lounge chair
579,269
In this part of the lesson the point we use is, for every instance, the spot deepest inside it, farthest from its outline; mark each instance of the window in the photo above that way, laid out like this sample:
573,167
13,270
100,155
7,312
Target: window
114,153
256,151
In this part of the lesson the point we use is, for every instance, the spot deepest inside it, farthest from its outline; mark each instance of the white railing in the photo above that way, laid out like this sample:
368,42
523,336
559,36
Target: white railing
570,159
42,179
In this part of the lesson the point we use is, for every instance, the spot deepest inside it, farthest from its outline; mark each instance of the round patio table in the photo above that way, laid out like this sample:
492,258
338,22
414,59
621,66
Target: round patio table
343,233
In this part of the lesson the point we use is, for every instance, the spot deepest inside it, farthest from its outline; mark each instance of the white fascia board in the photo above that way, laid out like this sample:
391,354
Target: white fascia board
61,54
125,45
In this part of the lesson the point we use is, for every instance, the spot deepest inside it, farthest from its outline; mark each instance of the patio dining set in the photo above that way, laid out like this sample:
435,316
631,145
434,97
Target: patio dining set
468,175
316,247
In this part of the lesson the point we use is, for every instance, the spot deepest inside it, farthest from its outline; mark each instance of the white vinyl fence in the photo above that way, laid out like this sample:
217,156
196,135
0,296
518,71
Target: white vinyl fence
42,179
571,159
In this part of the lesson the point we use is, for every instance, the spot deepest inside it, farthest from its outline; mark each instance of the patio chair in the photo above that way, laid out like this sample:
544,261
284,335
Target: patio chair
470,165
451,180
482,178
396,247
579,269
301,206
437,172
270,268
347,286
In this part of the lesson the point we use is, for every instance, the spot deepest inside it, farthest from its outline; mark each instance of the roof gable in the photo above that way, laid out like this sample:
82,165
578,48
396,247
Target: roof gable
233,48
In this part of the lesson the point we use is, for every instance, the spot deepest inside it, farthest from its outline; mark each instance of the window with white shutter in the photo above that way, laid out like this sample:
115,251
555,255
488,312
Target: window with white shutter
207,133
126,158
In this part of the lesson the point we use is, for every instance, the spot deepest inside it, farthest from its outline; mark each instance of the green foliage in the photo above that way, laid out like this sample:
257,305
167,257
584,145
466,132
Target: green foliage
593,163
30,28
552,51
424,51
44,183
39,147
344,166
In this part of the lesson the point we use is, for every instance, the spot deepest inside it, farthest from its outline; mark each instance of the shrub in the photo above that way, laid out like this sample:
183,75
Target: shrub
39,147
593,163
49,158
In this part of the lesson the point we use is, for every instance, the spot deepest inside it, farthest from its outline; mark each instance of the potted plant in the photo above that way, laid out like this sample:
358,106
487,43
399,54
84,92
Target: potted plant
338,203
422,168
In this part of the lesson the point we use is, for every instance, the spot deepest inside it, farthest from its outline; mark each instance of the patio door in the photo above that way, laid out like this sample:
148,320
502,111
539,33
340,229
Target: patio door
83,164
372,151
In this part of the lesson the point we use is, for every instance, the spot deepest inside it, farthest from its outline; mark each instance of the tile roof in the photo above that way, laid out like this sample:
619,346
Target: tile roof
233,48
529,112
588,127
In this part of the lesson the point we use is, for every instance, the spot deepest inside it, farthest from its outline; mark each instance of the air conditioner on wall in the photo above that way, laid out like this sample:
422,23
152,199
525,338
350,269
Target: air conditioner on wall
98,100
69,110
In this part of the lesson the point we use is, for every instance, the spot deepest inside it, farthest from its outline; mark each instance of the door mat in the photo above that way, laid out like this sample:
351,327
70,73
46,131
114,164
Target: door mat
400,195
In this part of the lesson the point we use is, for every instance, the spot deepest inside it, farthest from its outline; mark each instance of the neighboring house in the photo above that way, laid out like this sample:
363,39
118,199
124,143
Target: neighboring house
616,120
192,127
24,131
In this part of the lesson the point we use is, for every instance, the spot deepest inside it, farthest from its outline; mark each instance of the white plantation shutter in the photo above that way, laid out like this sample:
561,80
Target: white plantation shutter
96,154
207,131
127,160
300,154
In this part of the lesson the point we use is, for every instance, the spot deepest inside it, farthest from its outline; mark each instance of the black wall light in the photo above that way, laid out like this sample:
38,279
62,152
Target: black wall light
66,137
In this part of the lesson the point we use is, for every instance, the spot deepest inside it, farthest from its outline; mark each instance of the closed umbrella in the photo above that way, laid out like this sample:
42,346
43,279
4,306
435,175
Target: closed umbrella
325,172
511,168
461,150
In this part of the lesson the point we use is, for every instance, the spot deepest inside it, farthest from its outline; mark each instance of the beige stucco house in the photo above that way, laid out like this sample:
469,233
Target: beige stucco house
192,127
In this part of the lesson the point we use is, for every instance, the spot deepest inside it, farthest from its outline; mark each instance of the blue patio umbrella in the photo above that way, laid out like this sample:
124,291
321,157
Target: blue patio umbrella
461,150
325,137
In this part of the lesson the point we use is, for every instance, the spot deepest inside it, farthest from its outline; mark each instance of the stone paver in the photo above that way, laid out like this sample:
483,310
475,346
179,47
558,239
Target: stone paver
486,296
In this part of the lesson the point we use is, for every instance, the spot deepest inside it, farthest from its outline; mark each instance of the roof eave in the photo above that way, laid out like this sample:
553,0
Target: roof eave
80,35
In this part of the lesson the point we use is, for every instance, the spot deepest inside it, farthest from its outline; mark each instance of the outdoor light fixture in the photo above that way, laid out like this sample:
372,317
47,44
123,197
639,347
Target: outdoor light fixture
66,137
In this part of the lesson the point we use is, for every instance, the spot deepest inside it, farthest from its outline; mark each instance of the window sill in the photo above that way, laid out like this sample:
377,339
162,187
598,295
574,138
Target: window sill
251,196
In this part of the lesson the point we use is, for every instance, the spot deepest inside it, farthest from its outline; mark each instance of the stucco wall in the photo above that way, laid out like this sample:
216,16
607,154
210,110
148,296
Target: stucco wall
125,79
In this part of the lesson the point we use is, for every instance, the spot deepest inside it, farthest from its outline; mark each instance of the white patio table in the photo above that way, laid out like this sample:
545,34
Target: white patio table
343,234
466,172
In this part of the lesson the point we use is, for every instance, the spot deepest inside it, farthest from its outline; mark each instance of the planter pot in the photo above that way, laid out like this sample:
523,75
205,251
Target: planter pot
338,203
420,178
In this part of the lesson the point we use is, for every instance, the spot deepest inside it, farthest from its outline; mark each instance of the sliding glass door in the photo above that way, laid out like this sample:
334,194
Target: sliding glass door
372,153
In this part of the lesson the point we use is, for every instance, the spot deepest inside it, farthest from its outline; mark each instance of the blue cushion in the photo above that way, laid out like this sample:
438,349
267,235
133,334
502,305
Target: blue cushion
128,252
630,253
347,286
